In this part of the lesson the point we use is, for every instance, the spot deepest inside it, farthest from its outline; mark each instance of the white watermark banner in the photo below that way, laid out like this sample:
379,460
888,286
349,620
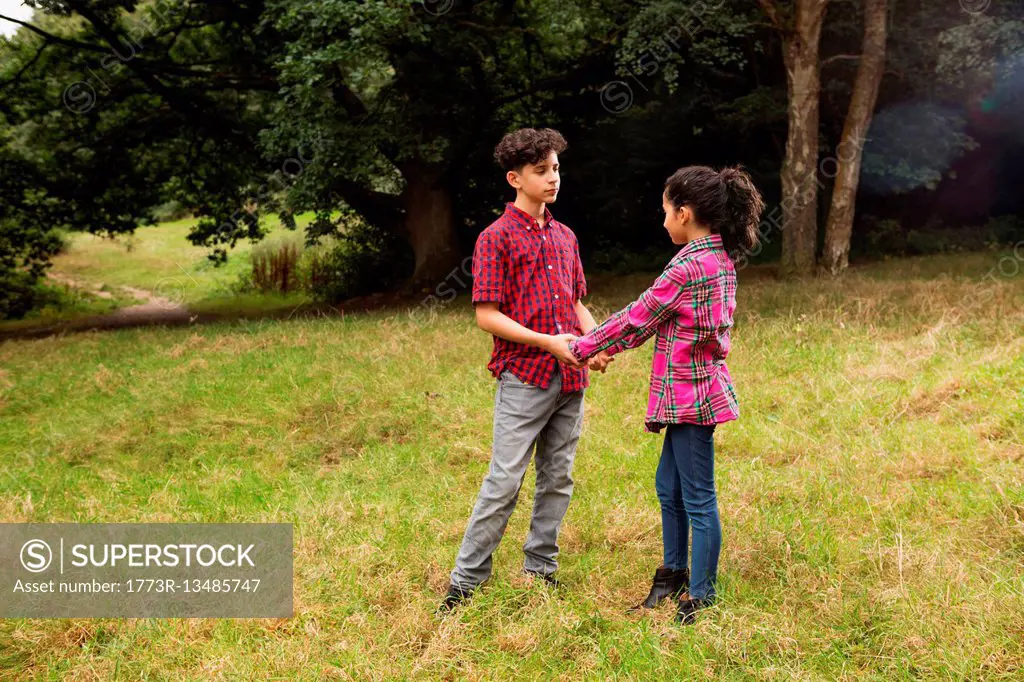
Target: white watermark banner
146,570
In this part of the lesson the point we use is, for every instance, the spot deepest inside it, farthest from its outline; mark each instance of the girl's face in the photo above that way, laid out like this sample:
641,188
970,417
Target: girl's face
676,221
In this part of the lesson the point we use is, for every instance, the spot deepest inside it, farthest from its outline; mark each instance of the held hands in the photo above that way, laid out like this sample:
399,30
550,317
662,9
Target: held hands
558,346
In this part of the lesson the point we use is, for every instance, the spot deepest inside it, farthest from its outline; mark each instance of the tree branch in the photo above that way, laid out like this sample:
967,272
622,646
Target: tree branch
837,57
105,31
769,8
26,67
56,39
344,96
381,209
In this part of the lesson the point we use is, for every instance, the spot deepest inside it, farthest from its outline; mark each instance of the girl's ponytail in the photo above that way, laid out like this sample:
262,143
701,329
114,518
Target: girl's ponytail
744,206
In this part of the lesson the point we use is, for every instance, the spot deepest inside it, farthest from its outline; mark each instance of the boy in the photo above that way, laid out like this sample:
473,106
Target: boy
527,286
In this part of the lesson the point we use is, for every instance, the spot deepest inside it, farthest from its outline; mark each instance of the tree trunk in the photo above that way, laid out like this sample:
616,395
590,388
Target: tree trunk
430,229
839,226
800,168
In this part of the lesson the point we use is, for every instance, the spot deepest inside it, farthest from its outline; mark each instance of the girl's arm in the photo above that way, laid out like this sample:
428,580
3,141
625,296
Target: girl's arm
638,321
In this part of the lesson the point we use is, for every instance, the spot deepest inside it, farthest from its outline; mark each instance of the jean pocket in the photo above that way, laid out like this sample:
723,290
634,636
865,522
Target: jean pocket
510,379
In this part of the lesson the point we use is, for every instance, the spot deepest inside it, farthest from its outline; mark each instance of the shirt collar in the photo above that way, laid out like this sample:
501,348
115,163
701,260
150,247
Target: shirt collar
524,219
711,241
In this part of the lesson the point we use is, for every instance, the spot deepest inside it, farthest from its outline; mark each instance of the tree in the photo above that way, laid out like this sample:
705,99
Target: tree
801,37
404,97
237,109
839,226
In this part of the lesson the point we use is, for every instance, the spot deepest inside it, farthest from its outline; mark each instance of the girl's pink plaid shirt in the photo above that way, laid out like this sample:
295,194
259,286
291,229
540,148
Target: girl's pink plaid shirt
690,308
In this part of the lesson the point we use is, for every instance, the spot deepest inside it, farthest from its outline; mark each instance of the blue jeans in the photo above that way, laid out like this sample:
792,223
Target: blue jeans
686,490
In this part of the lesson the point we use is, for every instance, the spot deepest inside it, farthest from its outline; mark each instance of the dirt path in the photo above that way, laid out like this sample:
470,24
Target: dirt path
152,309
158,310
151,303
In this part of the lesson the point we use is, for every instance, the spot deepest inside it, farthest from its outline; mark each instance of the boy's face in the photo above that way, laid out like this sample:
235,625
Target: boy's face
538,181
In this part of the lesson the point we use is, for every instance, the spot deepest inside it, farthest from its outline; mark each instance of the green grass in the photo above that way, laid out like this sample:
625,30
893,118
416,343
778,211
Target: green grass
159,258
66,303
872,492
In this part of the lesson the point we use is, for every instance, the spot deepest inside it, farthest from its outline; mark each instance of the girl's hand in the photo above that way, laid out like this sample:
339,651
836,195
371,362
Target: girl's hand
600,362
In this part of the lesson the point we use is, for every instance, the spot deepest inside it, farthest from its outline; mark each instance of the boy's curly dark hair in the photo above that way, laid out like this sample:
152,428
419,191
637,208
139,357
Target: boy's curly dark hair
528,146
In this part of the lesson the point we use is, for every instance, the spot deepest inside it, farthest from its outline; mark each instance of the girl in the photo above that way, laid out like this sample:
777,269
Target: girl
690,309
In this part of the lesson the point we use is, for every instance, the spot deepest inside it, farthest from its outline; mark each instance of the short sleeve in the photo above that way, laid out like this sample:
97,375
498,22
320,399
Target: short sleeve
489,257
579,281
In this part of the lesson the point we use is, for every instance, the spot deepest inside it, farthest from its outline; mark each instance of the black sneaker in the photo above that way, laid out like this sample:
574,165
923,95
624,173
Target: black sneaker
546,577
667,583
686,611
456,596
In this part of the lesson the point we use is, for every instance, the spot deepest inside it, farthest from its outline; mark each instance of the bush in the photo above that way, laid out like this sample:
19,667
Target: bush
362,261
886,237
18,295
170,211
1005,229
62,240
275,268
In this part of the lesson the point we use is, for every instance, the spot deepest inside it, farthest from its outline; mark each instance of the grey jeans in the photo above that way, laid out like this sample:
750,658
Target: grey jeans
524,416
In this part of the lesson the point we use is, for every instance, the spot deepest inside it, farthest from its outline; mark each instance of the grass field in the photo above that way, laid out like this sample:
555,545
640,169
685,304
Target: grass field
159,260
872,492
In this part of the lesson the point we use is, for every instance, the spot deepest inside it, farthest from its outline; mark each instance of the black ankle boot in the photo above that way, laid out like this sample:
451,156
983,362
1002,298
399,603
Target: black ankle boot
666,583
686,609
456,597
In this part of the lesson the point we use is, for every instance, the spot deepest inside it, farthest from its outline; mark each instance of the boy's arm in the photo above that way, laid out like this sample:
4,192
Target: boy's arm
586,319
600,361
492,320
587,322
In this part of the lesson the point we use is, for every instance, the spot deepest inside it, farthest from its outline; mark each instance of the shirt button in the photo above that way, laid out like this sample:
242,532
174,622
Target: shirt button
559,327
549,267
556,295
544,238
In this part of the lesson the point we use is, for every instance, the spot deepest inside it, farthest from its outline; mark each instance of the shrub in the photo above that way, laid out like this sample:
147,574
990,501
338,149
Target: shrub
886,237
17,294
275,268
363,260
1005,229
170,211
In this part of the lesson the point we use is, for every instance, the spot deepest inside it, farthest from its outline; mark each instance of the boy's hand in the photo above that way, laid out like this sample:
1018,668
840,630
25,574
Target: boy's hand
559,347
600,362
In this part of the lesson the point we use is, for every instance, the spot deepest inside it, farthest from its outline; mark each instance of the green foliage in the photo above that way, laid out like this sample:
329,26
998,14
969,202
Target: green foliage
245,110
983,49
667,36
25,251
363,261
913,145
887,237
169,211
17,295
